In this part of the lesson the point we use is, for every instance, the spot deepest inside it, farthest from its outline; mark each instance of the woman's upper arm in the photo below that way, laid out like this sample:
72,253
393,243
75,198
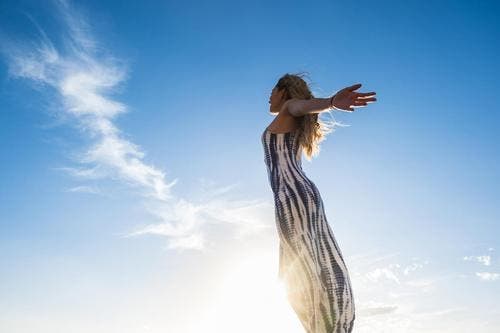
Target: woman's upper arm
299,107
296,107
293,107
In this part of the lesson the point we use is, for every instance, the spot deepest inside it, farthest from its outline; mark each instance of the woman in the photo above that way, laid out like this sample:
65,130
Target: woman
310,262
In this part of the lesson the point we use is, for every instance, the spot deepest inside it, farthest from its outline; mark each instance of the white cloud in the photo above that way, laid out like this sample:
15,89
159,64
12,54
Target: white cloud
487,276
423,284
485,260
372,308
390,300
379,273
84,81
85,189
443,312
84,77
413,267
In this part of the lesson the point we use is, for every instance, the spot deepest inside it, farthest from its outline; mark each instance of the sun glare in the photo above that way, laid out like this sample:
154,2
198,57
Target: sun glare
251,299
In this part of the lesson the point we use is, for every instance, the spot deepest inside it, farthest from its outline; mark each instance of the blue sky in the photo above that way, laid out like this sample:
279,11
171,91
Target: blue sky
134,193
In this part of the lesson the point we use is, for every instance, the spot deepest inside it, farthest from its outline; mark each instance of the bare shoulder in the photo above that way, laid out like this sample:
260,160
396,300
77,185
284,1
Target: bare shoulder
284,121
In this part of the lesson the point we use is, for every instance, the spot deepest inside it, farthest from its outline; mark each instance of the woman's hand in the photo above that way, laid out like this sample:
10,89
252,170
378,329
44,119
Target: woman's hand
347,99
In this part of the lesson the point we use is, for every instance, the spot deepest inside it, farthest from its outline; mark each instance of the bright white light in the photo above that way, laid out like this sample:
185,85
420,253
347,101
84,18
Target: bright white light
250,299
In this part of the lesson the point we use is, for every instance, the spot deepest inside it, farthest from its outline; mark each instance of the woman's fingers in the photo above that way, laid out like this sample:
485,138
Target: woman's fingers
353,87
368,99
363,95
362,102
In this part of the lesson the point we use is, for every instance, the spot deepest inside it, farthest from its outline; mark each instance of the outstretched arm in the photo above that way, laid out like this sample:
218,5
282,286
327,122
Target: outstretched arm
300,107
344,100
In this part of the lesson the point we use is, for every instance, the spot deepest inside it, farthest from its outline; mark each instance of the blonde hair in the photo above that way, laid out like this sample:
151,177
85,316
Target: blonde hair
312,130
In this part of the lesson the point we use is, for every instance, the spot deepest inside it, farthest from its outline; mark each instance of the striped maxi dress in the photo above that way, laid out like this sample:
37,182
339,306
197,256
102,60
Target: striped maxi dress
311,265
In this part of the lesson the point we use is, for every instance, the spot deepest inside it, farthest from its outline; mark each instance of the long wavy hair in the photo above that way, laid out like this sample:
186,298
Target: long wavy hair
312,130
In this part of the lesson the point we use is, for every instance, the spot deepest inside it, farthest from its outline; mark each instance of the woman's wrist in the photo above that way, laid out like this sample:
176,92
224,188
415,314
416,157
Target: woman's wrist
331,102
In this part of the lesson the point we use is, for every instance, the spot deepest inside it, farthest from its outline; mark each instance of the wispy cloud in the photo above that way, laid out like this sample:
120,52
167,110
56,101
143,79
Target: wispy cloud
413,267
443,312
386,272
84,79
84,76
85,189
392,271
488,276
372,308
485,260
396,294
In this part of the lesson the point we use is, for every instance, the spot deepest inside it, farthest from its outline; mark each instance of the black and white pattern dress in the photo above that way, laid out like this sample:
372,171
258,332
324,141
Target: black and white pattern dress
311,265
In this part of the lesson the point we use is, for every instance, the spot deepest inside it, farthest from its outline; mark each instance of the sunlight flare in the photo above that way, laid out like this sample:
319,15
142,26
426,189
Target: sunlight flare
250,299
